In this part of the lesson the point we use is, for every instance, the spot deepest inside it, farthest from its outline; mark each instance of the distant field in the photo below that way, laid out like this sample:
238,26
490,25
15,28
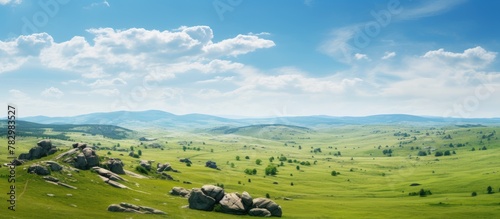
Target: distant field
376,165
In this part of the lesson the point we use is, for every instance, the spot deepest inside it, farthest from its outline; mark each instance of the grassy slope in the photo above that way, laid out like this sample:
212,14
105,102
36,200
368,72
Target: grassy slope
377,186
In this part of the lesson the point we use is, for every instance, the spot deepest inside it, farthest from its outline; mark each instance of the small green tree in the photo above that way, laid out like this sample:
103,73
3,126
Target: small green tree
247,157
474,194
258,161
334,173
139,152
490,190
238,158
297,167
271,170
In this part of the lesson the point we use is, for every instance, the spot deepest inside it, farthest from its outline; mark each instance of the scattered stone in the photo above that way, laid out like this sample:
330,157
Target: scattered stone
51,178
54,166
17,162
166,176
115,165
43,148
215,192
86,159
145,164
259,212
69,195
247,201
126,207
231,204
268,204
199,201
38,169
50,195
66,185
163,167
179,191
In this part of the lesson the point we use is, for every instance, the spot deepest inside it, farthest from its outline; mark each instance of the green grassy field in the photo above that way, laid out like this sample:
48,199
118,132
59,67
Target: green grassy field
371,184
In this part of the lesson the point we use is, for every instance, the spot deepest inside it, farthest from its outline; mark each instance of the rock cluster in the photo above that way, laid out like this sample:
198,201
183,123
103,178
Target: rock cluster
126,207
211,197
43,148
115,165
86,159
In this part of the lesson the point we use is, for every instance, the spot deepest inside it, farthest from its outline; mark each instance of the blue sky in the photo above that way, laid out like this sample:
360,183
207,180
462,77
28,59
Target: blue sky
251,58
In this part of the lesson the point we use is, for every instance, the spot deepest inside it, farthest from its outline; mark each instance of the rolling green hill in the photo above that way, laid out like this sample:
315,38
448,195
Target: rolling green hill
377,169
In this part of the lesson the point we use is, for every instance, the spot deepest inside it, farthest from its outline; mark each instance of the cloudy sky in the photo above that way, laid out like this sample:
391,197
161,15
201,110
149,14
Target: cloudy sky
251,58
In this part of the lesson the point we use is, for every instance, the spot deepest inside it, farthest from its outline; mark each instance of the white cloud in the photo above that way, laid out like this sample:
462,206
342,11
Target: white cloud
5,2
52,92
17,52
359,56
104,3
428,8
473,57
389,55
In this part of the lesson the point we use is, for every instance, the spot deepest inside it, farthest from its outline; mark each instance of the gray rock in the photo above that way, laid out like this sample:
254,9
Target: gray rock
215,192
268,204
145,164
163,167
116,208
38,169
166,176
259,212
86,159
179,191
199,201
80,161
24,156
132,206
247,201
51,178
45,144
231,204
17,162
53,150
37,152
115,165
54,166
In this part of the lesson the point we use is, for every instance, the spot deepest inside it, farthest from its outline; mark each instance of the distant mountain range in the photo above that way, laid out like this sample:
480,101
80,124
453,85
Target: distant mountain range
156,118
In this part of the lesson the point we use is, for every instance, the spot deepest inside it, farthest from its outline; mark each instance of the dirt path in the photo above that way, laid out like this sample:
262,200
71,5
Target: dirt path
24,189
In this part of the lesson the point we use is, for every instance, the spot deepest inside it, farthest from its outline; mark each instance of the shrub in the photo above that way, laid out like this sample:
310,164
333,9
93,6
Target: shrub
141,169
334,173
271,170
258,161
267,195
474,194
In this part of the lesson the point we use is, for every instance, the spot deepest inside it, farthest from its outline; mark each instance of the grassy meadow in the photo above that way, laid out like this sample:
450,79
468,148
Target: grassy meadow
369,183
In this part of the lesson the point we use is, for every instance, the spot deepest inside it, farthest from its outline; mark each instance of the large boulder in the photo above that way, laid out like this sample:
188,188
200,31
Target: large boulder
246,200
215,192
199,201
163,167
179,191
86,159
54,166
145,164
37,153
79,145
43,148
268,204
115,165
38,169
259,212
116,208
231,204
